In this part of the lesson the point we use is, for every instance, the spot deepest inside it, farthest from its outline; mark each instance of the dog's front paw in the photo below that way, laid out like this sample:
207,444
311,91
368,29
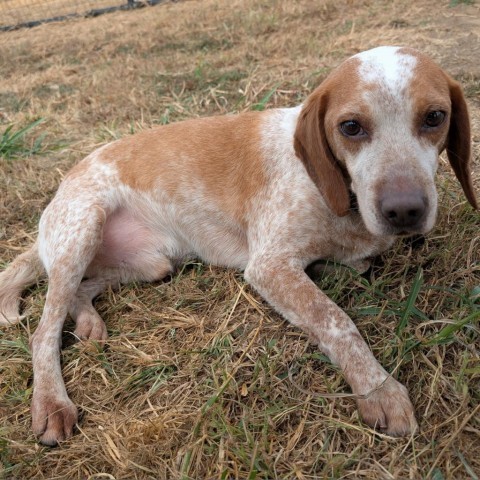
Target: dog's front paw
389,409
53,419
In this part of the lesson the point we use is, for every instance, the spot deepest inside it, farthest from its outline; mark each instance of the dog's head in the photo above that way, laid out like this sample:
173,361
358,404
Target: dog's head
376,126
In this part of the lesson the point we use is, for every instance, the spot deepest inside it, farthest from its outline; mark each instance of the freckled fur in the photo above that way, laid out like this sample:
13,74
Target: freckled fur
266,192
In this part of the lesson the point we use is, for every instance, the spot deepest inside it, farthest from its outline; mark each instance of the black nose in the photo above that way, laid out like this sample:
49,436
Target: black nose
404,209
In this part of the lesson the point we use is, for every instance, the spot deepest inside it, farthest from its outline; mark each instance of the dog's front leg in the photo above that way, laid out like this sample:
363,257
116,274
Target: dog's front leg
285,285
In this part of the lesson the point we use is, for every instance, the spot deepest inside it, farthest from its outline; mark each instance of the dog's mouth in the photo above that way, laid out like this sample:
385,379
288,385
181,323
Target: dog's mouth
383,228
406,232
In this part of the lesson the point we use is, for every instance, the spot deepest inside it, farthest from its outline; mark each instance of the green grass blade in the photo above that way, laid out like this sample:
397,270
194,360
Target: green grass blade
263,102
410,304
437,475
445,335
20,133
12,144
467,466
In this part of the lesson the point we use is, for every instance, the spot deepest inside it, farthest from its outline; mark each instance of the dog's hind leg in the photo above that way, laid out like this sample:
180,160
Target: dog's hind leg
89,324
22,272
68,241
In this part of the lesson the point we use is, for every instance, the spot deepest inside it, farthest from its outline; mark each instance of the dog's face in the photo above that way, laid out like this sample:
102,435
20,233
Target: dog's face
377,125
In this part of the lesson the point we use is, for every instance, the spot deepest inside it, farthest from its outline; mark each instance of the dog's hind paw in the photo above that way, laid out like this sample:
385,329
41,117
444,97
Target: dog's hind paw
53,419
89,326
9,310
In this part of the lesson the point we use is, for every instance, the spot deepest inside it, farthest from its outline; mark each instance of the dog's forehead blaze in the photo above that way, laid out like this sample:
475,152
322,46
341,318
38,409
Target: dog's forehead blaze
216,158
389,68
408,75
355,84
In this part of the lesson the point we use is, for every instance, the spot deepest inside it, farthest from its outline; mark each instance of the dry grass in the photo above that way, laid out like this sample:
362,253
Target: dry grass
201,379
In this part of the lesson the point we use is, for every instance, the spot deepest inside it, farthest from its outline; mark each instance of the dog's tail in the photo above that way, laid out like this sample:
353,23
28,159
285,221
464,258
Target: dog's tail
22,272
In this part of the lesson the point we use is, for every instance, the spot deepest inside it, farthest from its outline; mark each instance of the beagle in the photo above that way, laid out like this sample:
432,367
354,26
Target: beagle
265,192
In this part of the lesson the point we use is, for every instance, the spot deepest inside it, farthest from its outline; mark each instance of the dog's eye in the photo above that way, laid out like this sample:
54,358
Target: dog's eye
351,128
434,119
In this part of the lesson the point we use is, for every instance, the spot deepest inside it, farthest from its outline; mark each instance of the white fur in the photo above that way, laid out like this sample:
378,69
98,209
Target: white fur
387,68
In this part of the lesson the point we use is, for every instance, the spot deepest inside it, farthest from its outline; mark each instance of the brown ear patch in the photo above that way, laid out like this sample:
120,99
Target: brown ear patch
311,146
459,142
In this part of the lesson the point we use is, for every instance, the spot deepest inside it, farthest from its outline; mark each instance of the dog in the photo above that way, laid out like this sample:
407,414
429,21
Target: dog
339,177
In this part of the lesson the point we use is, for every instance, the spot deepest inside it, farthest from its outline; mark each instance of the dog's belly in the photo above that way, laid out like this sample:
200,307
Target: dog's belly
133,241
126,242
218,243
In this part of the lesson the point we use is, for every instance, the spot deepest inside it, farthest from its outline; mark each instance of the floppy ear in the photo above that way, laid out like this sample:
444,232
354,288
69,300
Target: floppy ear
311,146
459,142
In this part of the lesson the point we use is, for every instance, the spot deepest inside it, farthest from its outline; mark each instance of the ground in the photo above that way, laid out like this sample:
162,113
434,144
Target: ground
200,378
